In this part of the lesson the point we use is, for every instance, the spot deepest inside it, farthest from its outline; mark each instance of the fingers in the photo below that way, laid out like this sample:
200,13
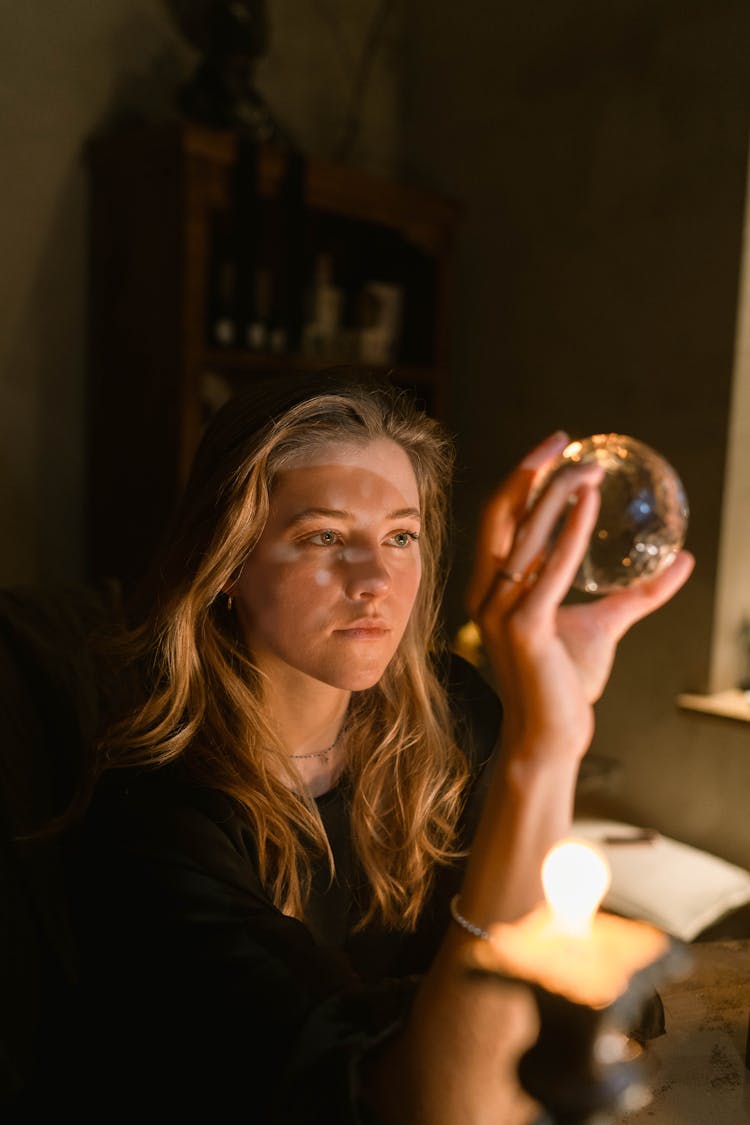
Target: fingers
546,559
580,508
510,499
553,444
502,513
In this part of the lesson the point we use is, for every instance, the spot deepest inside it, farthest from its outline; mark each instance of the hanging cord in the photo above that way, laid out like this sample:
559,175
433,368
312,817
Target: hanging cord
367,57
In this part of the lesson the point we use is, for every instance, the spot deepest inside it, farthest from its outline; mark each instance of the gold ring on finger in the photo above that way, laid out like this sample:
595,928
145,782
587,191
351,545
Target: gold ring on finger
517,576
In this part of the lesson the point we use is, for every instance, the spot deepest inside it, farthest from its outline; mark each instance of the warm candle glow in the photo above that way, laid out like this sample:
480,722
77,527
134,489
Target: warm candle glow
566,945
575,877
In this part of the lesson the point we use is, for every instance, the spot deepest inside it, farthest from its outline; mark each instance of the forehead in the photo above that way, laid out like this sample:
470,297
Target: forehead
377,468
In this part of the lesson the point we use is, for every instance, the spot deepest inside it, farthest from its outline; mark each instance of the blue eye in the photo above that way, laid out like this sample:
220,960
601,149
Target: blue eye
403,539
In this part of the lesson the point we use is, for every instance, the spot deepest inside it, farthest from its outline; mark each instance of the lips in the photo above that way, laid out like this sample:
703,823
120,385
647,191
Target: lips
366,627
367,623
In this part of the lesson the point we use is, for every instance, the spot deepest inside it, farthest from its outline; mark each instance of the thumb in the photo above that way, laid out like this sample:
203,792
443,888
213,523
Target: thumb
622,609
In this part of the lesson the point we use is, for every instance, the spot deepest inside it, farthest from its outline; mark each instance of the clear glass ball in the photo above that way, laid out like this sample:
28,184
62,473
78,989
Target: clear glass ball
643,516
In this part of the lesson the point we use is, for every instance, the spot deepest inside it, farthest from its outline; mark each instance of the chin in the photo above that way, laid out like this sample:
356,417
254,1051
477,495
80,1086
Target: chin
358,682
363,683
352,678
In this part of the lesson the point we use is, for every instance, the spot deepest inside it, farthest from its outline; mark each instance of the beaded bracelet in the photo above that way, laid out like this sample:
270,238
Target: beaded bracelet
477,931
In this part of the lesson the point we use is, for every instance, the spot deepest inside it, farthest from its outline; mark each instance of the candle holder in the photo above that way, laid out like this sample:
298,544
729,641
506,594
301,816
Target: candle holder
595,996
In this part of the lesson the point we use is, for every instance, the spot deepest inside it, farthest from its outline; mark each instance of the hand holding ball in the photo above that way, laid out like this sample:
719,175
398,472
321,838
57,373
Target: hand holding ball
643,516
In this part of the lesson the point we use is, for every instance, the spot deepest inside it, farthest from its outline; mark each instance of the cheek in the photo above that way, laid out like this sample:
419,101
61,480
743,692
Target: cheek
407,581
415,588
279,574
297,594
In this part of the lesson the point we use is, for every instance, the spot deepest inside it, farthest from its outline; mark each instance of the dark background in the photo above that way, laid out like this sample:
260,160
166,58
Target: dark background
599,153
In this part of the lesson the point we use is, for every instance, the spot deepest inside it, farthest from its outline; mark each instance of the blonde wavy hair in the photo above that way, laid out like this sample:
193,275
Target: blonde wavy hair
204,700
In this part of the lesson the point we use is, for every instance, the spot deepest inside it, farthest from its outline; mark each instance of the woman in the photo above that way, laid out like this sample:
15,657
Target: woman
306,780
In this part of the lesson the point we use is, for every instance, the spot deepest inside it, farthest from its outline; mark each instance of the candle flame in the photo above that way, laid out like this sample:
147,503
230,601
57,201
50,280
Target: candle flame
575,877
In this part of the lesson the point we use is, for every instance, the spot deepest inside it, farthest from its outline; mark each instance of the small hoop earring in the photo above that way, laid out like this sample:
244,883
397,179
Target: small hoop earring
230,602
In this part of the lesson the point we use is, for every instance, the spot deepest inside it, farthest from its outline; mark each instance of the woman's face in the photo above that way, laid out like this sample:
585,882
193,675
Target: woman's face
329,587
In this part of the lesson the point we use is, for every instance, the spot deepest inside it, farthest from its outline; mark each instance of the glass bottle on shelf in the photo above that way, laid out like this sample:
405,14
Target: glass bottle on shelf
278,336
223,324
222,287
325,307
380,322
257,325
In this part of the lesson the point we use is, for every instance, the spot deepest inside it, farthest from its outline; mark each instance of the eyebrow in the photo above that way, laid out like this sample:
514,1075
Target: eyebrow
340,514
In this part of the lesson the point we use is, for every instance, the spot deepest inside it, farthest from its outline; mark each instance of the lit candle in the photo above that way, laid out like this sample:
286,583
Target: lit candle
575,878
567,945
592,974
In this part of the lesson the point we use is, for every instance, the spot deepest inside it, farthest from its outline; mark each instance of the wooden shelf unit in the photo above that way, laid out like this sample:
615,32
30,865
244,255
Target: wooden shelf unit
154,192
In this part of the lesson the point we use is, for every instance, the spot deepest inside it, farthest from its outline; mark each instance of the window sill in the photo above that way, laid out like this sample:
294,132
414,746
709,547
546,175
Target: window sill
732,704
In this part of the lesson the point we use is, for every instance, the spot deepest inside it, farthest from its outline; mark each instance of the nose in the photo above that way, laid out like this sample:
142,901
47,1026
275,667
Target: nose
367,576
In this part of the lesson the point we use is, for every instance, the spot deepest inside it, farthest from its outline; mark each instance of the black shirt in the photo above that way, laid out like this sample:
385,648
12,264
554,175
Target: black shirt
197,993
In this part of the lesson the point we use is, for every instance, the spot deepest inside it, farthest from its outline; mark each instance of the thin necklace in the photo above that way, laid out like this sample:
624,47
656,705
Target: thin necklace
322,753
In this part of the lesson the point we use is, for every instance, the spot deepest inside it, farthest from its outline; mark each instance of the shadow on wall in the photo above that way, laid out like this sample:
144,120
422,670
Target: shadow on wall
45,363
120,64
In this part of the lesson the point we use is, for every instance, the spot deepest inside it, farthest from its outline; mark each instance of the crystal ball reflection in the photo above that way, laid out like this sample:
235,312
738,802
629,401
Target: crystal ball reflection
643,516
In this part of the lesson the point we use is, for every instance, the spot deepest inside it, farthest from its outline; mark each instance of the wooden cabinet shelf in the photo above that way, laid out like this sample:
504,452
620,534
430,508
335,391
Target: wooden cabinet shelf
157,193
236,362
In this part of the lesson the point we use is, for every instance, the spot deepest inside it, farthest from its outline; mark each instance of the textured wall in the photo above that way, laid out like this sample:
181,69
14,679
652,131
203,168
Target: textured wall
600,151
329,60
64,69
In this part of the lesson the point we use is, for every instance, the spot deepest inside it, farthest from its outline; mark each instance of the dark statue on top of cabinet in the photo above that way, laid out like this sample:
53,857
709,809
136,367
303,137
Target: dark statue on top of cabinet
231,35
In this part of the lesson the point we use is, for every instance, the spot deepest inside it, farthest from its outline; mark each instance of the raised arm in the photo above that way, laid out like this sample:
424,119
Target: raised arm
458,1054
550,662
